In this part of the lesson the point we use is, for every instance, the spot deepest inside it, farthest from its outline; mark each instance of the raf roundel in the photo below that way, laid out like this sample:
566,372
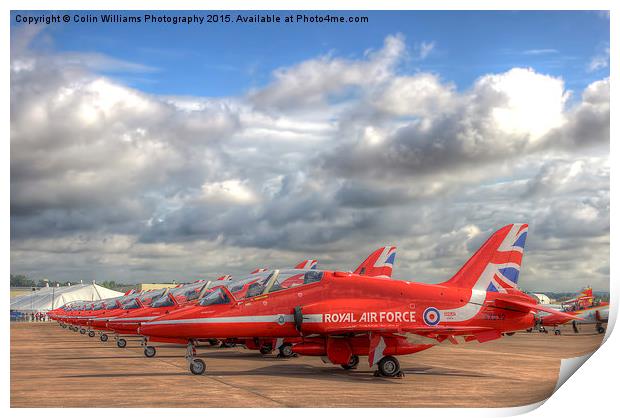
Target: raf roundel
431,316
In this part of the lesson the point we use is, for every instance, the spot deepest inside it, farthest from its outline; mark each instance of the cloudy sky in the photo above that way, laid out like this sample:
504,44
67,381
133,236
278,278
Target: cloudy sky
159,152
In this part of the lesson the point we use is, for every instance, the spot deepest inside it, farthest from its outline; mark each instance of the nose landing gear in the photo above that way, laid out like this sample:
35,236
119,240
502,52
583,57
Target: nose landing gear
196,366
150,351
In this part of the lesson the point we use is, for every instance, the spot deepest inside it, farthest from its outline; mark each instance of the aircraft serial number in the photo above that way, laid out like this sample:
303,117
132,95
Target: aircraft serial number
494,317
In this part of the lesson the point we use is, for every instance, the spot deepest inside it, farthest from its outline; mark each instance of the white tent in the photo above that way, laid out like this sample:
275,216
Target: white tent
542,298
49,298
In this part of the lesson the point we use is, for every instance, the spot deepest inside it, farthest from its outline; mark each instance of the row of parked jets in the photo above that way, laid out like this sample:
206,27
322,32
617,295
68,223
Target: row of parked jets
337,315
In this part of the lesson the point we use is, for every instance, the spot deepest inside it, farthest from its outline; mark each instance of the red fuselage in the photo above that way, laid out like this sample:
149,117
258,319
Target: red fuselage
344,303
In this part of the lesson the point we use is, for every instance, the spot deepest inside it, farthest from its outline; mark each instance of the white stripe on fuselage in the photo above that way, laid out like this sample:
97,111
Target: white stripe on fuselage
138,318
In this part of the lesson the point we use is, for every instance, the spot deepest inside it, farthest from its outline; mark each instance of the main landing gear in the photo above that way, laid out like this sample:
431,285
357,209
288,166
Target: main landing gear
286,351
389,367
265,349
352,364
196,366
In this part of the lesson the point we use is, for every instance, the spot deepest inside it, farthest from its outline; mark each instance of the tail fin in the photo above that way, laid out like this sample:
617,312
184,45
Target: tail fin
496,265
378,264
307,265
587,292
257,271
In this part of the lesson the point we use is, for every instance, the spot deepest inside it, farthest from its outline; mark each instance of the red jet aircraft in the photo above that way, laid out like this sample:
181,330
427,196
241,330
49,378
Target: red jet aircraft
584,307
342,316
125,324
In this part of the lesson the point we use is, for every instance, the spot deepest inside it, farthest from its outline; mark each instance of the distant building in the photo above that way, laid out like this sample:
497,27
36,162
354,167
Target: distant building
542,298
153,286
19,291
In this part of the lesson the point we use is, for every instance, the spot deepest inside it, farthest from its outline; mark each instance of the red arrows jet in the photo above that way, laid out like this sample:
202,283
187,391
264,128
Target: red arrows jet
343,315
378,264
584,307
125,323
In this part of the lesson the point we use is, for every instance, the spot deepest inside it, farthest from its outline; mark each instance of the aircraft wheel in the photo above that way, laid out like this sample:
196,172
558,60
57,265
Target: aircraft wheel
104,337
352,364
528,330
557,332
75,329
214,342
82,331
389,366
121,343
227,345
197,366
510,334
265,349
150,351
91,334
600,329
286,351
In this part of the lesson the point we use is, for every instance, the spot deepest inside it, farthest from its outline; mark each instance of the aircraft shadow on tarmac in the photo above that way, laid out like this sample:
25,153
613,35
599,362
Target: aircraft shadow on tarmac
332,373
100,358
121,375
287,370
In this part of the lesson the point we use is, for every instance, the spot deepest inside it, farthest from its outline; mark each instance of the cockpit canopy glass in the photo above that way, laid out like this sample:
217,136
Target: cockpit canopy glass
250,285
150,296
132,304
111,305
256,284
162,301
288,279
188,292
216,297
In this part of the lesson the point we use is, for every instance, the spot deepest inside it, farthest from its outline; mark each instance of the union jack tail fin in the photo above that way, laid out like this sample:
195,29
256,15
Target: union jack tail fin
307,265
587,292
496,265
378,264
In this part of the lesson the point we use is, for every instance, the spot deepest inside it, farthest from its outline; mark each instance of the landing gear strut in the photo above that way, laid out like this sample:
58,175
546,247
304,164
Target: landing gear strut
196,366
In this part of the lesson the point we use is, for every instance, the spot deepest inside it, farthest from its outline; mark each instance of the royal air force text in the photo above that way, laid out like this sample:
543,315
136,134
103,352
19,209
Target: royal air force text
370,317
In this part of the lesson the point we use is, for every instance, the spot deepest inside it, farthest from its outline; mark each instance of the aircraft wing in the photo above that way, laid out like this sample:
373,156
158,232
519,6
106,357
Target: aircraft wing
522,306
411,329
